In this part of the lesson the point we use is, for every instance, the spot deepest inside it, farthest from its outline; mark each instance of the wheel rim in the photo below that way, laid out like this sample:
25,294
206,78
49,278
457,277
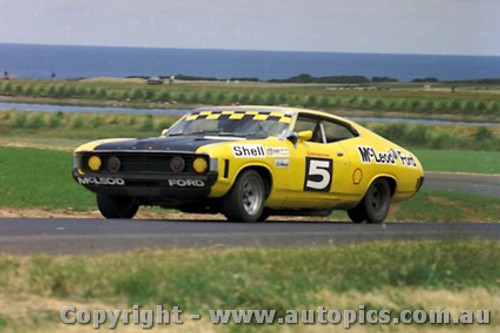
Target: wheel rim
378,199
252,196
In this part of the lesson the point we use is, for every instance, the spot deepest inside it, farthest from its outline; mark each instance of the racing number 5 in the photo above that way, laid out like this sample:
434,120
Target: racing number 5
318,174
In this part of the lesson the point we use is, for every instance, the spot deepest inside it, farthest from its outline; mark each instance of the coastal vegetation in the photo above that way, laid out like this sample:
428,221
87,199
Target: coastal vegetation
95,126
412,99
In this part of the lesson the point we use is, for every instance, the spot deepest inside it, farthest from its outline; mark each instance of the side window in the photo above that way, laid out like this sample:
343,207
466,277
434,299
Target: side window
335,132
309,124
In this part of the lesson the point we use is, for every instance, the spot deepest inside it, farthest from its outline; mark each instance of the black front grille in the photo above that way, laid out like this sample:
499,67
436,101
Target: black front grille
135,162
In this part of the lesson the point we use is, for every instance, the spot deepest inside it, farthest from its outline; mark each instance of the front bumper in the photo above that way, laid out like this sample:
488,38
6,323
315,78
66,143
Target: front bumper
182,187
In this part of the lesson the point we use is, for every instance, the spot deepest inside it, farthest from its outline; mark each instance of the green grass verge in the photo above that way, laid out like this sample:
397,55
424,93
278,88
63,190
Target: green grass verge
459,160
38,178
291,278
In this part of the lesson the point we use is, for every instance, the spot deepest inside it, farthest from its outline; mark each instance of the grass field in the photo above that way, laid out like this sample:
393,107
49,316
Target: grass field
459,160
40,178
396,275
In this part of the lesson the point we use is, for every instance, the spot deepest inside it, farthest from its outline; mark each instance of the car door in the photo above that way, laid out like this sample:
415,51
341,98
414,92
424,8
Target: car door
319,167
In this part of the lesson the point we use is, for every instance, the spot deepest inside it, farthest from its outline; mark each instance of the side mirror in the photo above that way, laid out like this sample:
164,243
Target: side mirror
164,132
305,135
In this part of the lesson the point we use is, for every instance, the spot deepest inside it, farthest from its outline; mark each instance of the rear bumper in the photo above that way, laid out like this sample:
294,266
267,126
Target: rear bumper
169,186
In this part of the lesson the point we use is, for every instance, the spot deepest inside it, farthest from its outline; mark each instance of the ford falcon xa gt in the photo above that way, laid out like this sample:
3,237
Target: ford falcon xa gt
250,162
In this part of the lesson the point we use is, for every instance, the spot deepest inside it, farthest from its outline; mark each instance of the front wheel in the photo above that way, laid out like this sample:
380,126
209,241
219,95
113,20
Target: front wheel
375,205
245,200
113,207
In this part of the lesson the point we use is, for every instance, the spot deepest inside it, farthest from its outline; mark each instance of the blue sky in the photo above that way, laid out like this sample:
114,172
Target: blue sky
468,27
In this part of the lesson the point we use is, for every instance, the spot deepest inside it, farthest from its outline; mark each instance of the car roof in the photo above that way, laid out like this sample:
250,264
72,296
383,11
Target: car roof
283,109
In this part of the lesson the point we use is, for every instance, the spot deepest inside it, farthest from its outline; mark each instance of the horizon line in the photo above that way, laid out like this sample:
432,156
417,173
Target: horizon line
252,50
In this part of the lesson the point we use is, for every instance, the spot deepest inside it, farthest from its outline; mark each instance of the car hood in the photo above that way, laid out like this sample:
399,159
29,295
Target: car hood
181,143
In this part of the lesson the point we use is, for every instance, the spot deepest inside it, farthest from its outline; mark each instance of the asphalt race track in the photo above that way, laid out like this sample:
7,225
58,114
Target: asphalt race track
74,236
60,236
463,182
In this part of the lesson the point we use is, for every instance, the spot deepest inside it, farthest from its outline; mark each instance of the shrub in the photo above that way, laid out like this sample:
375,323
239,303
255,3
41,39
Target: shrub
220,98
17,90
483,133
35,121
114,121
96,121
394,131
137,95
125,95
147,123
163,124
7,87
21,120
418,135
440,141
311,100
206,97
481,106
193,97
101,93
149,94
428,106
324,102
493,107
78,122
378,104
256,99
56,119
270,99
162,96
29,90
81,91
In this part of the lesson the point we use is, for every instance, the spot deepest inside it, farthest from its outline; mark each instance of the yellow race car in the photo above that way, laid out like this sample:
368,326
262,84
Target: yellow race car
250,162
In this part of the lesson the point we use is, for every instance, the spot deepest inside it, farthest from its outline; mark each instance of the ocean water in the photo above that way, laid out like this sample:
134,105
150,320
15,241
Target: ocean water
40,61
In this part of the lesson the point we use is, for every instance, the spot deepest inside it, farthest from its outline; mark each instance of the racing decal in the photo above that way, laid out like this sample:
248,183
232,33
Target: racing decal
259,115
278,152
369,155
248,151
282,163
313,153
319,172
357,176
407,160
100,181
186,183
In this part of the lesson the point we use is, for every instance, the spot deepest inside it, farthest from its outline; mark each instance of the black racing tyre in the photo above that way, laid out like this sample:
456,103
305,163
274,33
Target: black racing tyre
375,205
266,213
357,214
245,200
116,207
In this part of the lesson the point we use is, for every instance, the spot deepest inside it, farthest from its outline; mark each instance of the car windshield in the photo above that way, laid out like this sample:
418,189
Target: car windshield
232,123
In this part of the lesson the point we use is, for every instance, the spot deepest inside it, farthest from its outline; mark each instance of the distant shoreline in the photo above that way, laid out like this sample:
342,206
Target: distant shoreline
69,62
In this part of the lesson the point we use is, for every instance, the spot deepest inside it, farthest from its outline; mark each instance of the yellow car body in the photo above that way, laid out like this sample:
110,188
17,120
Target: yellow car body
317,162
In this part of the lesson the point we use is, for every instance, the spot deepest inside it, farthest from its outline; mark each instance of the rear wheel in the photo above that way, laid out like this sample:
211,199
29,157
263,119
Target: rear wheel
245,200
112,207
375,204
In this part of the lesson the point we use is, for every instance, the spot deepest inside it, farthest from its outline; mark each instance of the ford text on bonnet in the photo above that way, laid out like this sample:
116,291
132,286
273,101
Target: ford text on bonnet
250,162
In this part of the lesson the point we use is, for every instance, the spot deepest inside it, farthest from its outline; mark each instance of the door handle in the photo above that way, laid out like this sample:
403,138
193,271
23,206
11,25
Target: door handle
340,153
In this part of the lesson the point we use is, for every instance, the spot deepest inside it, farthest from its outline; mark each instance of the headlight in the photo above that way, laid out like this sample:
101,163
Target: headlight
177,164
114,164
200,165
94,162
